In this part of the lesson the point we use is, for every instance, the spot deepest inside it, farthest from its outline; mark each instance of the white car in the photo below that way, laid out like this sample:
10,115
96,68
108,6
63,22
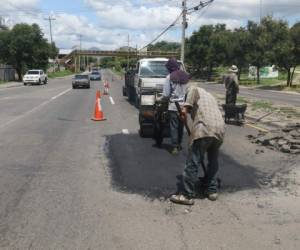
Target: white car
35,76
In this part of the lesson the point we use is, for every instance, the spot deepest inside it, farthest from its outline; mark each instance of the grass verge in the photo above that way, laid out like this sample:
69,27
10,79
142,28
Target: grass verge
118,72
60,73
262,105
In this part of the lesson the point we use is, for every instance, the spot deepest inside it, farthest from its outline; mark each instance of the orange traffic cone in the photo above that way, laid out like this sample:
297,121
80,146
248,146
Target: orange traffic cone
98,116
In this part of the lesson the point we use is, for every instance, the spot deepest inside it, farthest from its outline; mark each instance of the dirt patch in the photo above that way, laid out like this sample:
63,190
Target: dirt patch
286,140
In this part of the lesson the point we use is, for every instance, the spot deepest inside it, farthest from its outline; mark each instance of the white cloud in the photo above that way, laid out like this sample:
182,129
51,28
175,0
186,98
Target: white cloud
142,19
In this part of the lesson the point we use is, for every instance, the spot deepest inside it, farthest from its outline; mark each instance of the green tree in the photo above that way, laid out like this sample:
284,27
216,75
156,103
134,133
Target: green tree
26,48
218,53
283,48
4,45
238,49
295,36
164,46
282,44
258,47
207,48
197,47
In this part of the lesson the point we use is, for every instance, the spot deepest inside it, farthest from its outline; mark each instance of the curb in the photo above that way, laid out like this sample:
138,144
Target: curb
20,84
11,85
253,88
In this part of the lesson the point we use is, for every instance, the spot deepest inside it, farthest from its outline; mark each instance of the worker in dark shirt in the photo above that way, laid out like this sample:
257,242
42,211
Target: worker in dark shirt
231,83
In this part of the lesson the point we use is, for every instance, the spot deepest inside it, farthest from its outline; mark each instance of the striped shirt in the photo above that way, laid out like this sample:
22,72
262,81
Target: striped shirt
207,119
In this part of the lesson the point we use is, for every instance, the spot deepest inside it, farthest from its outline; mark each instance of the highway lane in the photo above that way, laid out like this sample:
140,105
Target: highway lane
67,182
14,102
266,95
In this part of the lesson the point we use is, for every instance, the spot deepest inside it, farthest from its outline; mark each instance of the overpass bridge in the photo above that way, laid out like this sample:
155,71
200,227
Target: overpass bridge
76,55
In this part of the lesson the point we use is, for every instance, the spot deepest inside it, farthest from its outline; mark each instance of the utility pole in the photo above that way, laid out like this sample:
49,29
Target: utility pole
50,19
184,26
80,37
128,39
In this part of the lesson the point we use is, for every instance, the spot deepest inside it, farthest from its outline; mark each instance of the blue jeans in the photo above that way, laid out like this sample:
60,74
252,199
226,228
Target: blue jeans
176,129
196,154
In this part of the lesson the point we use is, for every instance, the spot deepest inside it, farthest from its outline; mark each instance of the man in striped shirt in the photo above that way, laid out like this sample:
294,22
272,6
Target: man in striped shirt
207,134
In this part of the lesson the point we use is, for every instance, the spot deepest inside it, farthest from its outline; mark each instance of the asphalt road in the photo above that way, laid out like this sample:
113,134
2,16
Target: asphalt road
292,99
67,182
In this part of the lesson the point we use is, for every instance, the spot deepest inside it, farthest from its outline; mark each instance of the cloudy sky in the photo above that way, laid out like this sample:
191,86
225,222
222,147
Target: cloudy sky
106,23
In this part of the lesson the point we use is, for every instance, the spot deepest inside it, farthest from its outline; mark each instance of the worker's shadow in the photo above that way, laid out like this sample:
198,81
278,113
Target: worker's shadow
137,167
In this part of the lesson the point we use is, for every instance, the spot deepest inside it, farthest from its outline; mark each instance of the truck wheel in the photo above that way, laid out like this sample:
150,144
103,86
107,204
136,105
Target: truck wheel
40,82
137,102
130,96
124,91
142,131
46,81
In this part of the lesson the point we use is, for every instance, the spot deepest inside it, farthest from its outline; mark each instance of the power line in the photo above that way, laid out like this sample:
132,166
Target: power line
201,15
164,31
185,12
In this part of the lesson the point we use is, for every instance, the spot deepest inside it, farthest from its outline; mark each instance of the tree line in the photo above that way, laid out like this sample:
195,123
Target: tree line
24,47
270,42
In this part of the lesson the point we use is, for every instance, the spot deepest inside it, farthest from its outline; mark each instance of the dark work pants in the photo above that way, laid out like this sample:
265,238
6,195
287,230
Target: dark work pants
196,154
231,97
176,129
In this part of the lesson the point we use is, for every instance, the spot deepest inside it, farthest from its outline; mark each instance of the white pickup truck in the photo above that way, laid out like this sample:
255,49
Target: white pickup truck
35,76
141,87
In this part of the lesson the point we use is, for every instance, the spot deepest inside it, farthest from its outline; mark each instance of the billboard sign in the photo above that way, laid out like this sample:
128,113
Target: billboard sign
265,72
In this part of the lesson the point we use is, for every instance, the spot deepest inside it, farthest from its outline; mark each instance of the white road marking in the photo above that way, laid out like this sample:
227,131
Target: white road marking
33,110
8,98
112,100
60,94
125,131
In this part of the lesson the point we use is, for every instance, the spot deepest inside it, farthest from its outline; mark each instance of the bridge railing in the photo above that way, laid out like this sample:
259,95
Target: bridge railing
139,54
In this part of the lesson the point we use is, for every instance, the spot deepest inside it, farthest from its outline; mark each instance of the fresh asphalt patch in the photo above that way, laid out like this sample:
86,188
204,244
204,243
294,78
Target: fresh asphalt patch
136,166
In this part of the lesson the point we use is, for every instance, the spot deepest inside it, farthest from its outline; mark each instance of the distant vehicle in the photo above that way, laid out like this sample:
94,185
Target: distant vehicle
35,76
95,69
82,80
95,75
142,85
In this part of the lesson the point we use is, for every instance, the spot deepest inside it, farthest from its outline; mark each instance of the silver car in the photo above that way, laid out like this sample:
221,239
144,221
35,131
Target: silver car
81,80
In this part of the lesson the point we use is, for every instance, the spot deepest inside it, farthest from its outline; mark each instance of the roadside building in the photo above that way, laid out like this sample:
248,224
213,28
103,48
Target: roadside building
7,73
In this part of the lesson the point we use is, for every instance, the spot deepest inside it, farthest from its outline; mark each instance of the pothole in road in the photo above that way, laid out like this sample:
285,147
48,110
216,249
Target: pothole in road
137,167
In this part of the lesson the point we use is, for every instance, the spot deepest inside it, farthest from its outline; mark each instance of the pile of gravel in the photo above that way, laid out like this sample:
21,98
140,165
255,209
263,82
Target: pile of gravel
286,140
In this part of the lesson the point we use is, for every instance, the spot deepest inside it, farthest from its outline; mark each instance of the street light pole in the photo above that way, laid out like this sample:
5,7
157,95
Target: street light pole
184,25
